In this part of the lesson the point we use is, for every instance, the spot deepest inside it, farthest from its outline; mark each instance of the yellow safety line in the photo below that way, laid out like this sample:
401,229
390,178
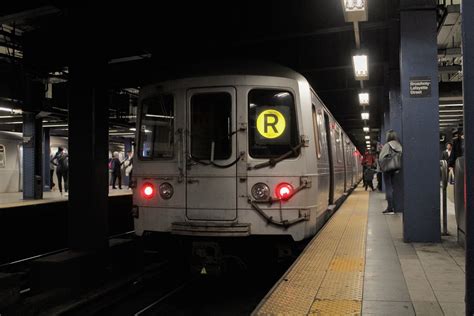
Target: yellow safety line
327,279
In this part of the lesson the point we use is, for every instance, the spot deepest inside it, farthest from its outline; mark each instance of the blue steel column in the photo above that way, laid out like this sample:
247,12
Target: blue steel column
32,169
88,137
46,159
418,58
468,96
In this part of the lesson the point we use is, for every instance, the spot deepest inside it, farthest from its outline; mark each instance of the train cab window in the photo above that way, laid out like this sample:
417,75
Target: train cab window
157,128
3,156
271,123
317,135
338,144
211,122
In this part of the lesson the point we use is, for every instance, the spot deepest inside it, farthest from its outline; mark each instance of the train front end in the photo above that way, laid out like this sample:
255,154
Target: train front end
223,160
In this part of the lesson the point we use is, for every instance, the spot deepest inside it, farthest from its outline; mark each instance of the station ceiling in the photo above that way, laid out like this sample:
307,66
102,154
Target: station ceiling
309,36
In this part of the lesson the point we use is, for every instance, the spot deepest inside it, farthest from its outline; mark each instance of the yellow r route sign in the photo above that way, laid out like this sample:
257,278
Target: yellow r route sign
271,124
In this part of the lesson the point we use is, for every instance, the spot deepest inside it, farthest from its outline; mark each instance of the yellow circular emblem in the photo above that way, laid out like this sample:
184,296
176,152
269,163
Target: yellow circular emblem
271,124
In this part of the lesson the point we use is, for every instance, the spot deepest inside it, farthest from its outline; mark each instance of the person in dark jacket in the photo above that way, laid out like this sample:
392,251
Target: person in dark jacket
116,171
392,144
449,155
61,161
369,177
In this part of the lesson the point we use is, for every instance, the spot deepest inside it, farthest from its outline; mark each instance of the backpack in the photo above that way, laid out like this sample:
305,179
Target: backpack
63,161
392,161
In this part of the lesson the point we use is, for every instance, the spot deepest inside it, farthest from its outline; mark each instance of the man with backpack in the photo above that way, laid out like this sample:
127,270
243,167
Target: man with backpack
61,161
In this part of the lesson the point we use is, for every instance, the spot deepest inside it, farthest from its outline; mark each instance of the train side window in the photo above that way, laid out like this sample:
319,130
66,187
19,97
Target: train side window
272,124
156,139
317,138
211,117
3,156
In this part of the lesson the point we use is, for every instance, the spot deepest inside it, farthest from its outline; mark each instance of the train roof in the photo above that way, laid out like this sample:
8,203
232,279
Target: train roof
233,67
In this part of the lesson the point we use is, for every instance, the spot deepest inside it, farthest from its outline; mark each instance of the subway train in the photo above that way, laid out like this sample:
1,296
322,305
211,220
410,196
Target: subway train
11,161
238,151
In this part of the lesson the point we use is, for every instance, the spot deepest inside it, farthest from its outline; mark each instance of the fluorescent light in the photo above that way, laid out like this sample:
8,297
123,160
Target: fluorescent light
55,125
365,115
132,129
367,142
363,98
361,66
6,109
6,116
453,104
450,120
367,137
366,129
160,116
355,10
122,133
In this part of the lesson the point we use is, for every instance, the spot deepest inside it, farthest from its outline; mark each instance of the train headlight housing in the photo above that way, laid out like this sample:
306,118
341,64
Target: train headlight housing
284,191
260,191
166,190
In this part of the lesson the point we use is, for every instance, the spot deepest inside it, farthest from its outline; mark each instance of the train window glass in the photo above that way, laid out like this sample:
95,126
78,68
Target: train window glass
211,117
271,123
338,145
3,156
317,138
157,128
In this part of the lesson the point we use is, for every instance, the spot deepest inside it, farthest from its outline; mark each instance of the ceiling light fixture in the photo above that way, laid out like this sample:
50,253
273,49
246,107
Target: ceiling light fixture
364,98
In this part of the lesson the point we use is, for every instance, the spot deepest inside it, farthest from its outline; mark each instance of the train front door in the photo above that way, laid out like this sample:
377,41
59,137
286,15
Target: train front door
211,186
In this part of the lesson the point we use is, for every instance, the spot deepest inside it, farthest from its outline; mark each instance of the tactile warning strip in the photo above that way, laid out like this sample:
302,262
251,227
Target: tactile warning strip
327,278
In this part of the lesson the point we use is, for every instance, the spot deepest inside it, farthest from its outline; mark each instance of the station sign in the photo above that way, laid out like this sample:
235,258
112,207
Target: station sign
272,125
420,87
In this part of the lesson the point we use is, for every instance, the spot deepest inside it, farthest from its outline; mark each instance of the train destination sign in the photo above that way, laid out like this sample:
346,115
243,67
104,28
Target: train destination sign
272,125
420,87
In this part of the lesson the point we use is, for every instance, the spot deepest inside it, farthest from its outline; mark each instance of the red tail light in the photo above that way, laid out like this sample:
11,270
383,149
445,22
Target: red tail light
148,190
284,191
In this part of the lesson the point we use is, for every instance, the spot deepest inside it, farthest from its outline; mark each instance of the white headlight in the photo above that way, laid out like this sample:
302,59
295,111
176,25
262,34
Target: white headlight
166,190
260,191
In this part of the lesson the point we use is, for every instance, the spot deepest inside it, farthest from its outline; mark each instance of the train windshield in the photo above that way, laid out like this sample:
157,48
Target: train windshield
272,123
157,128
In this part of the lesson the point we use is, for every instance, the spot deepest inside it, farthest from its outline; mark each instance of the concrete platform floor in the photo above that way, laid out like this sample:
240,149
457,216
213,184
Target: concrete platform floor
15,199
410,279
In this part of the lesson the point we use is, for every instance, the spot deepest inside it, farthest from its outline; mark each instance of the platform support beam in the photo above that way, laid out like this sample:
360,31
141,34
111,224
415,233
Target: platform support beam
420,105
32,152
395,106
468,99
46,159
88,138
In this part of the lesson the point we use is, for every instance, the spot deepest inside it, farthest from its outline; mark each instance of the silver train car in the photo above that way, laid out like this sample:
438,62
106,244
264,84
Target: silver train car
246,151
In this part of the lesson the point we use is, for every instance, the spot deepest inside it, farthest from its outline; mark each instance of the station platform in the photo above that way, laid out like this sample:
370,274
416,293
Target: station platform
15,199
359,264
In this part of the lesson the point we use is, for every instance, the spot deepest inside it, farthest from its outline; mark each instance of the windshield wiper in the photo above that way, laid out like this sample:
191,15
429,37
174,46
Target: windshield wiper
273,161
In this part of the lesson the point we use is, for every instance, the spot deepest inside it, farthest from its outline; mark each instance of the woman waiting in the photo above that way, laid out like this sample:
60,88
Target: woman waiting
390,164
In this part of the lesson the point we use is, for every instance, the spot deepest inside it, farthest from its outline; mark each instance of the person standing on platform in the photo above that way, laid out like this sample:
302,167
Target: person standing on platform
450,157
369,177
390,160
116,171
128,165
51,172
61,161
